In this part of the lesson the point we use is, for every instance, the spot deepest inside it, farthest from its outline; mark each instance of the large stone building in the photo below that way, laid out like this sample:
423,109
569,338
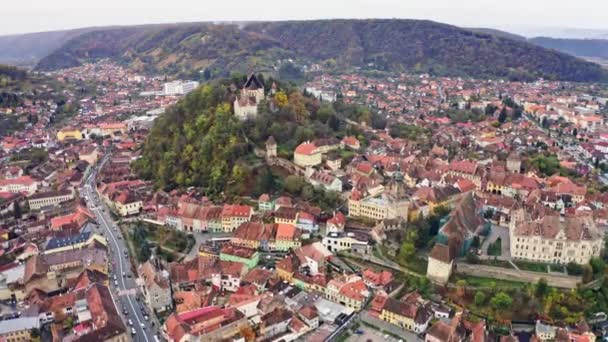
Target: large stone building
391,204
555,239
246,104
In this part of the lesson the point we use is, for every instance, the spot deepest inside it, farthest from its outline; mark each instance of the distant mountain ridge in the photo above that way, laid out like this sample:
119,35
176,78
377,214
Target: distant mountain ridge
392,45
498,33
578,47
27,49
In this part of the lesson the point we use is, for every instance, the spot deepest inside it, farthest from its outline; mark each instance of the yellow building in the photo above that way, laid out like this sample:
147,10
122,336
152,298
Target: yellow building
286,215
234,215
287,237
18,330
128,208
410,313
307,154
378,208
69,133
252,235
395,317
286,268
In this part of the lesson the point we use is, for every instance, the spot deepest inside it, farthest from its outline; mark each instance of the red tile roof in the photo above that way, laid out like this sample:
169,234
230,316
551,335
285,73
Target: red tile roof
306,148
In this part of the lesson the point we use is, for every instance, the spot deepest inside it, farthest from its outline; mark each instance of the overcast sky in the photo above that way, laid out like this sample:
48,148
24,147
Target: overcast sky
20,16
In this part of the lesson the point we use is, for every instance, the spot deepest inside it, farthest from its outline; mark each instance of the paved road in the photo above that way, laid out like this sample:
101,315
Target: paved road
369,334
124,289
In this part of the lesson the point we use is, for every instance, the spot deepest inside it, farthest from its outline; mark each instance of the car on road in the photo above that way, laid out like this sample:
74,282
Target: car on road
125,311
146,317
133,331
143,326
124,274
116,283
130,323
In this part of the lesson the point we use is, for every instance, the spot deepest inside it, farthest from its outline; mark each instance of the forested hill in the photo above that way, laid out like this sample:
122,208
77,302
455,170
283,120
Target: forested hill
195,143
393,45
199,142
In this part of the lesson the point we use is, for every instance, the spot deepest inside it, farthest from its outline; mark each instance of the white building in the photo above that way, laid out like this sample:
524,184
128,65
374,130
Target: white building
441,264
49,199
336,242
179,87
556,239
24,185
246,104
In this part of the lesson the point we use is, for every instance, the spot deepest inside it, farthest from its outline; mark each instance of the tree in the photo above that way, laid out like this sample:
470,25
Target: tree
502,117
587,274
325,112
501,301
264,182
490,109
542,289
574,269
281,99
544,122
597,264
293,184
480,298
461,287
17,210
68,323
206,74
407,252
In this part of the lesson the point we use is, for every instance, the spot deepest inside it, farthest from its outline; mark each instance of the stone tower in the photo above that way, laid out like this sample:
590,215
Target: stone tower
271,147
514,163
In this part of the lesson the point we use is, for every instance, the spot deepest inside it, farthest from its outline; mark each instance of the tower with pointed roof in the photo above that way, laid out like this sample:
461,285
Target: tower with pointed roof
246,104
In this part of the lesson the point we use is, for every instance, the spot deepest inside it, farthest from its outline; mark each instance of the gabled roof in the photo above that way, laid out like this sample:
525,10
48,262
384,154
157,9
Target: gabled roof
253,83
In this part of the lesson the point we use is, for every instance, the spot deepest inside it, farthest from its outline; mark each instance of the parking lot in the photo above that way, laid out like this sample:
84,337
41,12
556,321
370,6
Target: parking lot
370,334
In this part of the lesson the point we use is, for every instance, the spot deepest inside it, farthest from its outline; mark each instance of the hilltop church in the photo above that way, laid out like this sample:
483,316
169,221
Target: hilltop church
246,104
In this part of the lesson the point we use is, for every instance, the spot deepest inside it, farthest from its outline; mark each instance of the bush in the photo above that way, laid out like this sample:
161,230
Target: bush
574,269
501,301
480,298
472,258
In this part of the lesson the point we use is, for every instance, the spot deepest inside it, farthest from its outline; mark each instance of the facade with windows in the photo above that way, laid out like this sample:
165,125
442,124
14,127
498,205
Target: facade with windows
556,239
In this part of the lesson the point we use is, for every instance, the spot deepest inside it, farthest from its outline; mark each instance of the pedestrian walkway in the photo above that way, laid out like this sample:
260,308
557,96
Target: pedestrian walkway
562,281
